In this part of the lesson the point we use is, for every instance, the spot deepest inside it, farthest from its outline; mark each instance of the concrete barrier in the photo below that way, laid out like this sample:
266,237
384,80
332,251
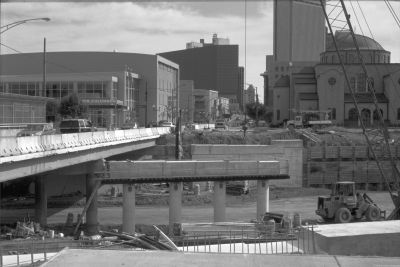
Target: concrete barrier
9,147
69,140
14,146
29,144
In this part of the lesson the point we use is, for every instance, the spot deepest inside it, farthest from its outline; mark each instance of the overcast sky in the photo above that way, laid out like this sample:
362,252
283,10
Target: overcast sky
154,27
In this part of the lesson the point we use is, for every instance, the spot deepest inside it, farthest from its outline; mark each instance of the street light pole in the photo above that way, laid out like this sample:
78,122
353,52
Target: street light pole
17,23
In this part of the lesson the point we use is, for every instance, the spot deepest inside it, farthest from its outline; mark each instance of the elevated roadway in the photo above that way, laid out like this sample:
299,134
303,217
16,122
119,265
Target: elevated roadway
32,155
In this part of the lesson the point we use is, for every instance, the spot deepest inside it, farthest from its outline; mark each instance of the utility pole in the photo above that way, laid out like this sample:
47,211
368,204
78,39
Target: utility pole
145,110
178,145
44,68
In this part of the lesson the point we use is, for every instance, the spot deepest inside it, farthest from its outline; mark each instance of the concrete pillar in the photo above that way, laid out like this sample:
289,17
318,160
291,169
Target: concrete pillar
175,204
128,208
40,200
262,197
219,201
91,213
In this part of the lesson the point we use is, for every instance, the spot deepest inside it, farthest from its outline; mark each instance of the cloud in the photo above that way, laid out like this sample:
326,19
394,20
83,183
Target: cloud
155,27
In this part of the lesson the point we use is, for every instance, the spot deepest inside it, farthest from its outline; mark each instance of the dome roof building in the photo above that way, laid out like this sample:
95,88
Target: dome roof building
371,51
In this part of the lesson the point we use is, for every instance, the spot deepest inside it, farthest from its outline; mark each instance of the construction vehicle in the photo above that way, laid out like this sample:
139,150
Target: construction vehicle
345,204
310,118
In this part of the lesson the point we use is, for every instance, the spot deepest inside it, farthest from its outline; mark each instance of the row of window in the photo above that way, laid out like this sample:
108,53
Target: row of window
352,58
22,88
21,113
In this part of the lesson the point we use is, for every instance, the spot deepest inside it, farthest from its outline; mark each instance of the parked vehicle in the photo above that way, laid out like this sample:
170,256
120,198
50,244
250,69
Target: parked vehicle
37,129
167,124
220,124
76,126
129,125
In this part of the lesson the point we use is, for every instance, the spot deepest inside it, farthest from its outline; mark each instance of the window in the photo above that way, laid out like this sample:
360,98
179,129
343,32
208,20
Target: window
353,116
278,114
333,114
376,114
351,58
370,84
361,82
353,83
398,114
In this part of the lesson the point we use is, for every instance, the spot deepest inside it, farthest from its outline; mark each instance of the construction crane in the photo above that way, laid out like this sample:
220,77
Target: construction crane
379,135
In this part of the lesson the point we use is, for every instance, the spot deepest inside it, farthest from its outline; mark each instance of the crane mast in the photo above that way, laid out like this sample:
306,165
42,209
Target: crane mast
375,137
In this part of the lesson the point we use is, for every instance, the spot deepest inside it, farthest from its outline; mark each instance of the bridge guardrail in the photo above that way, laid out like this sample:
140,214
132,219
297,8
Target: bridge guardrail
13,146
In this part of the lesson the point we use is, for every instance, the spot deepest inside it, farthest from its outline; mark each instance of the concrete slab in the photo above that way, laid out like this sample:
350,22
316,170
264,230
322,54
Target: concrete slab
363,238
76,258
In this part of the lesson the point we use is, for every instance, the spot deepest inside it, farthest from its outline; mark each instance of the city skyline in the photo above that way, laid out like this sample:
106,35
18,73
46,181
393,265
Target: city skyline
166,26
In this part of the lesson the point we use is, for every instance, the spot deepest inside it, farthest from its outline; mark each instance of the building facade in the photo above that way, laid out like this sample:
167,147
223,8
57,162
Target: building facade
21,109
116,87
186,103
323,87
211,65
295,22
205,105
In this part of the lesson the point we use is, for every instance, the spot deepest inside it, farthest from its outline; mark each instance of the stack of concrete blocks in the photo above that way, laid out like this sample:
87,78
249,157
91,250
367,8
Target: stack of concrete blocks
288,152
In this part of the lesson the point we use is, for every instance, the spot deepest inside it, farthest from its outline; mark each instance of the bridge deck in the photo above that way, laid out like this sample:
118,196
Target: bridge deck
190,171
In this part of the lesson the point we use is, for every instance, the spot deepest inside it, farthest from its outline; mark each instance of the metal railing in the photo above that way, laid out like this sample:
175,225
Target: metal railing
294,241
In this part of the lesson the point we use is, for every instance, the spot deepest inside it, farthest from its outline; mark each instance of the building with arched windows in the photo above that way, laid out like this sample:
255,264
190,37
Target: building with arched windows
323,86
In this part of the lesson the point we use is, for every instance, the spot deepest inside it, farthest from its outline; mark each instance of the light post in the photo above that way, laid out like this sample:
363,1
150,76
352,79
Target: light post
19,22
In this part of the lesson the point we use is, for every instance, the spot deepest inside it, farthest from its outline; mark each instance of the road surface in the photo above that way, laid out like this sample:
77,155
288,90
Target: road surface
305,206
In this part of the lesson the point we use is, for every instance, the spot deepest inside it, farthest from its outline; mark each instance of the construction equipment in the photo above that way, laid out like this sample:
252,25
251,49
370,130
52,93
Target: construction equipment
345,203
310,118
378,135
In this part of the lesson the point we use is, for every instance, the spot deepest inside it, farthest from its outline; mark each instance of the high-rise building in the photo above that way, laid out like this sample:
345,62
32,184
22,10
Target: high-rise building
213,66
299,39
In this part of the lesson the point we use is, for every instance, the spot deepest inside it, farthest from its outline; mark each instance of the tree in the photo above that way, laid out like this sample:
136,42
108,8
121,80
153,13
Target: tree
258,111
70,106
52,107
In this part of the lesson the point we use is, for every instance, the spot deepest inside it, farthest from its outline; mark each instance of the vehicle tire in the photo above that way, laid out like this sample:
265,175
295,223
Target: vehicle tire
373,213
342,215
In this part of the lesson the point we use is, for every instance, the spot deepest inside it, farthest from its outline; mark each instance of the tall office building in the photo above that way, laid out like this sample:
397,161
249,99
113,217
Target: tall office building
299,30
299,39
212,66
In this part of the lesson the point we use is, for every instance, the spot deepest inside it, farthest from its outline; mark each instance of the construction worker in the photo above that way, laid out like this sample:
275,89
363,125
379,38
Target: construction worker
361,204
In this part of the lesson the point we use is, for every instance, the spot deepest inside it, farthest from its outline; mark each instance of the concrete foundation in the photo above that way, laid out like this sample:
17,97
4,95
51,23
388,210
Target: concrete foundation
380,238
219,201
175,204
128,208
91,213
41,200
262,198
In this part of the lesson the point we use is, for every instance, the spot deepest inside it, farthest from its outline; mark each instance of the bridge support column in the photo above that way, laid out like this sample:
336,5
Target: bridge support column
219,201
91,213
175,204
41,200
128,208
262,197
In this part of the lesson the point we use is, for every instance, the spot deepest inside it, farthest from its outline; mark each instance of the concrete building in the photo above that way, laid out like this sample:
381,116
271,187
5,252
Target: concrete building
250,95
241,87
186,104
323,86
296,22
211,65
143,86
223,107
109,96
205,105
